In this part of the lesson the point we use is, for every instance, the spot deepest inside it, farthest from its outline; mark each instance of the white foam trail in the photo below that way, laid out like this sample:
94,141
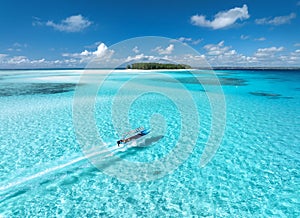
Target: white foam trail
52,169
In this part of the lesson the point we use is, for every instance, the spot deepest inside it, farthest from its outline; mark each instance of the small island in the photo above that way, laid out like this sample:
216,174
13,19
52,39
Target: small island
157,66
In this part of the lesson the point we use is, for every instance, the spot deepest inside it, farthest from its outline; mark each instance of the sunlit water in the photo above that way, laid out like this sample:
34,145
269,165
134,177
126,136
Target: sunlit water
254,173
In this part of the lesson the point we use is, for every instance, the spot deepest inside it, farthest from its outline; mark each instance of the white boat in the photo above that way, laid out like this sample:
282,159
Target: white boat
133,135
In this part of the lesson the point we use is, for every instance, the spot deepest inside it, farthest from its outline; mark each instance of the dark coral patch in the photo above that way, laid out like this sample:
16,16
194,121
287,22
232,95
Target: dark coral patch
13,89
269,95
265,94
211,81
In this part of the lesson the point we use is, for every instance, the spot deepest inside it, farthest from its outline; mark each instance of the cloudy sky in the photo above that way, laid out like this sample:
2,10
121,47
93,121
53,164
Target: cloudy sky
53,33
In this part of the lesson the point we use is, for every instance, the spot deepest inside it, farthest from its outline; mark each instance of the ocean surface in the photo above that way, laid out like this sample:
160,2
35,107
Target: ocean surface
254,173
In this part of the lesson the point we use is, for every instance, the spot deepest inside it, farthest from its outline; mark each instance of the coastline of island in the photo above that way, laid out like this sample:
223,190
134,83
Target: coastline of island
157,66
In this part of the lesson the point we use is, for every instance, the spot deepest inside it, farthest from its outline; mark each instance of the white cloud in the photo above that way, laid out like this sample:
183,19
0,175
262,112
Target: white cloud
141,57
218,54
18,60
16,44
297,44
167,50
85,53
244,37
218,49
2,56
186,40
260,39
14,49
37,21
197,41
222,19
17,47
221,55
298,3
268,52
136,50
292,59
40,61
101,50
11,62
75,23
85,56
276,20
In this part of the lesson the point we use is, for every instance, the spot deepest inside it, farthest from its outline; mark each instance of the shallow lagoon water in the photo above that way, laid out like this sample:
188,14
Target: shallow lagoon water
254,173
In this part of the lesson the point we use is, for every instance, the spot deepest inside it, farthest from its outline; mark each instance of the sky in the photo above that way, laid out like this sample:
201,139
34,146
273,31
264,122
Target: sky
69,33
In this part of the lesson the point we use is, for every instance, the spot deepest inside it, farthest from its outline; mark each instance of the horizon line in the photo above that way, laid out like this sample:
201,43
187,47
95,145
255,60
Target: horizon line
197,68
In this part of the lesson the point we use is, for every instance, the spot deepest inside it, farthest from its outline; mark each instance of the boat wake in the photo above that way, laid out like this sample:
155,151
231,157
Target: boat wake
36,176
26,177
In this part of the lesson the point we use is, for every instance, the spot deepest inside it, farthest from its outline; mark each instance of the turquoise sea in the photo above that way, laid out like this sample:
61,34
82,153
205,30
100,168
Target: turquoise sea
254,173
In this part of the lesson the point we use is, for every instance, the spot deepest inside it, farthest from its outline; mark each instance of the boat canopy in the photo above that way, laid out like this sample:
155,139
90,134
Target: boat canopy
132,132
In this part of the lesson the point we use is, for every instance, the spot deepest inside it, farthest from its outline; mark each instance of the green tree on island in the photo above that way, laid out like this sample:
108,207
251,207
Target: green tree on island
156,66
